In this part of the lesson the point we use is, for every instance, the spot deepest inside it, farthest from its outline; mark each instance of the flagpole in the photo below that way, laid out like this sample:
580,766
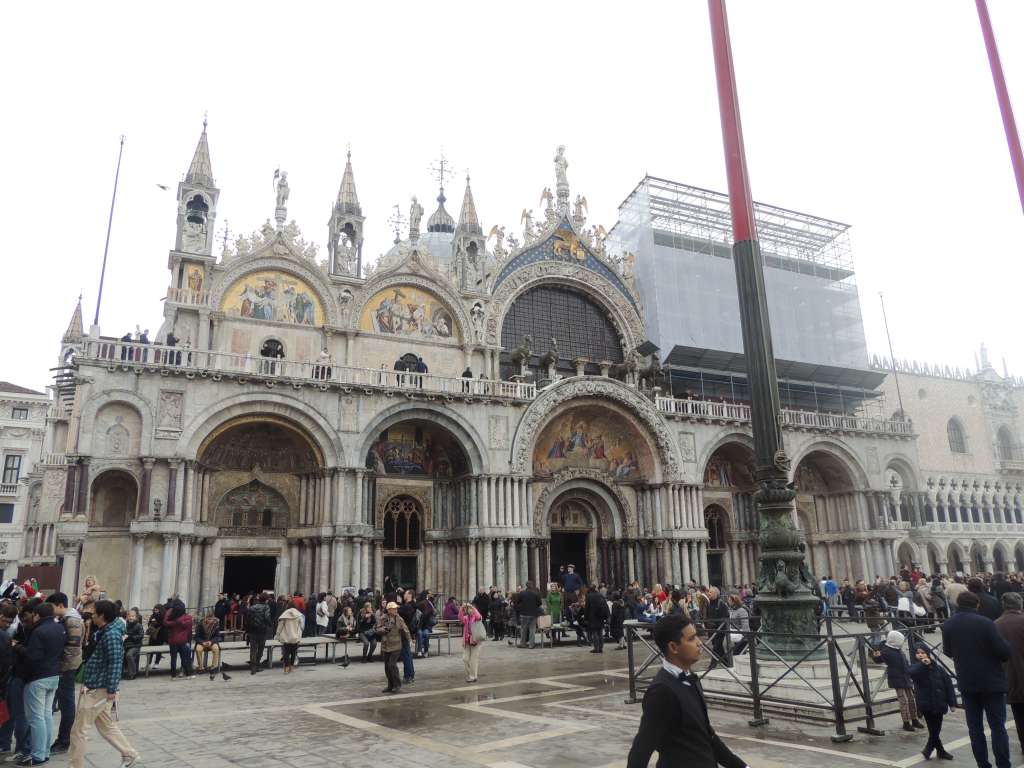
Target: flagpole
1003,97
784,583
106,245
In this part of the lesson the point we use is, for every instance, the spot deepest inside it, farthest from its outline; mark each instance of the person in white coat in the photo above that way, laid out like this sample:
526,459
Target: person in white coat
289,632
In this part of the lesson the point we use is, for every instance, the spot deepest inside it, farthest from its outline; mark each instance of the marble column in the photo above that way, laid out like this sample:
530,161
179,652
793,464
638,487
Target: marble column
358,504
356,579
512,565
489,562
532,570
188,499
378,565
172,488
676,572
471,567
485,501
293,566
685,560
144,492
208,590
167,570
499,564
665,561
324,574
338,571
183,587
138,555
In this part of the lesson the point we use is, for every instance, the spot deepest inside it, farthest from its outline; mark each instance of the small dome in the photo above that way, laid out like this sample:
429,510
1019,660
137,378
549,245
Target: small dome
440,220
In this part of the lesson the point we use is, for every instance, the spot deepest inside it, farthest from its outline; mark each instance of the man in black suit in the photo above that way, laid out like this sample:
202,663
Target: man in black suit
675,721
979,651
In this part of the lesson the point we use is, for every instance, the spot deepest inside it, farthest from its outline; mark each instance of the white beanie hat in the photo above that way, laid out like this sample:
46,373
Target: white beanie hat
895,639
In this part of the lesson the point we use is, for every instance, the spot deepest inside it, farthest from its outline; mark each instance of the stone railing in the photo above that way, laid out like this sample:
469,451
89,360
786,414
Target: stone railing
8,489
54,459
187,296
738,412
131,355
58,412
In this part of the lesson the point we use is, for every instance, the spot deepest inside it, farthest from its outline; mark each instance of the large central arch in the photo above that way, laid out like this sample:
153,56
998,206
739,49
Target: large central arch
557,395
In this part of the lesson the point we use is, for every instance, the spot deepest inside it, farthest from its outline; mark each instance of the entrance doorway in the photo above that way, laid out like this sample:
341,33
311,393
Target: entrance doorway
716,569
569,548
249,573
401,571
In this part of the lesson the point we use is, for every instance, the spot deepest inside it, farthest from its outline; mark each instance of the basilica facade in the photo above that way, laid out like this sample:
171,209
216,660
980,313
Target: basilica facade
473,409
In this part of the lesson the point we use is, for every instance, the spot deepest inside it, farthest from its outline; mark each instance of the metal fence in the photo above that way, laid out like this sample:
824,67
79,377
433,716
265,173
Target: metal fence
834,683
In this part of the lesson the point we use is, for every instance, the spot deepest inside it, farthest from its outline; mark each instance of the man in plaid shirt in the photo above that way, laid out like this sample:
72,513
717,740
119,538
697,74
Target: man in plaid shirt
99,692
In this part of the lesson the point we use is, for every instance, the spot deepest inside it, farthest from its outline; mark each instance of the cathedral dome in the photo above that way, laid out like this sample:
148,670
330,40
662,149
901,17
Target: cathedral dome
440,220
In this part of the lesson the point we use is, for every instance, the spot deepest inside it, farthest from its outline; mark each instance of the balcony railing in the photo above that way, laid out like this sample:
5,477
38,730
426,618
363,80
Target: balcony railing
55,459
8,489
187,296
1010,458
737,412
207,362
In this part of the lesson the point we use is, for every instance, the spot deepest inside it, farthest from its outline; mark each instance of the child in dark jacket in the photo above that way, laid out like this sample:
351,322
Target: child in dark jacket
935,697
897,673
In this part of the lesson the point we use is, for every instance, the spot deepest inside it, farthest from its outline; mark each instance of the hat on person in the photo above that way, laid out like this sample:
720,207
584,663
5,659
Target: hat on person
895,639
1012,601
392,605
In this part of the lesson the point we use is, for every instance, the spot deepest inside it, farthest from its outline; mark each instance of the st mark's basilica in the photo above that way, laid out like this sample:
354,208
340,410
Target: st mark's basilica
475,408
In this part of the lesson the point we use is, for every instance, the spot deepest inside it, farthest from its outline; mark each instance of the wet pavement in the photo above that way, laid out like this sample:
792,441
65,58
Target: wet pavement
557,706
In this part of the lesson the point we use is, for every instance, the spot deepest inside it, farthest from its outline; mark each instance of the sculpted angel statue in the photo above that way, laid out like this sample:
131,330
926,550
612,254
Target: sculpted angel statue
546,198
527,221
498,233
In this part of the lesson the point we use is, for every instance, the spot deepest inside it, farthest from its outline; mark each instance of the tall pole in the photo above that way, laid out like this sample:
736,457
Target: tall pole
892,356
785,586
110,222
1003,97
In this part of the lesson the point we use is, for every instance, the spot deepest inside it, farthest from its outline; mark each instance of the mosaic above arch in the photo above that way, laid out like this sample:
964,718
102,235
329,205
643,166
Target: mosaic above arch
273,295
409,311
593,437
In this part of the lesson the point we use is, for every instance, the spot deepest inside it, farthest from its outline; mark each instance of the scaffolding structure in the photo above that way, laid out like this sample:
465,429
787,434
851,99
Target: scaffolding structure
696,219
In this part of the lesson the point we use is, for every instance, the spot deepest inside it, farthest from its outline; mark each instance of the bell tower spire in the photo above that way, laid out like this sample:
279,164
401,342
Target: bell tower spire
470,246
197,202
345,227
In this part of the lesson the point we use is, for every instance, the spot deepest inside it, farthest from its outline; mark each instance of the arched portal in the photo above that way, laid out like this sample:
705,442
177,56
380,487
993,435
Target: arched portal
955,559
402,520
420,480
1018,556
583,524
999,558
114,499
729,486
260,475
906,556
716,521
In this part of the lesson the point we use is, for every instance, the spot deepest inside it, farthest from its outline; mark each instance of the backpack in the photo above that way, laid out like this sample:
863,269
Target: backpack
259,619
417,619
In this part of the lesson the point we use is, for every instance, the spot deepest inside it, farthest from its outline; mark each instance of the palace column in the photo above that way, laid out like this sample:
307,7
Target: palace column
665,561
676,571
324,579
172,488
293,566
702,561
512,565
138,554
685,558
471,573
488,577
485,501
533,569
207,589
188,499
147,481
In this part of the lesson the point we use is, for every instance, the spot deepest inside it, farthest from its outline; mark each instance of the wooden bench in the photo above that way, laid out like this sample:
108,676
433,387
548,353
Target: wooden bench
329,645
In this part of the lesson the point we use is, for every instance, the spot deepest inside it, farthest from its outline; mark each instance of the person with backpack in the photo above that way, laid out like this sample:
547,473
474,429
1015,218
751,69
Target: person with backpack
428,618
411,615
258,627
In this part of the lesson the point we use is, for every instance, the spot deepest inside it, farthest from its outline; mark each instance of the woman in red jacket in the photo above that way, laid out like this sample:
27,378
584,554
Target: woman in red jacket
178,624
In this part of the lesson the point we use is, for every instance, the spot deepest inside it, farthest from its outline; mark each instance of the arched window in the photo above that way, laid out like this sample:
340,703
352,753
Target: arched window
272,348
713,520
402,524
955,433
1005,445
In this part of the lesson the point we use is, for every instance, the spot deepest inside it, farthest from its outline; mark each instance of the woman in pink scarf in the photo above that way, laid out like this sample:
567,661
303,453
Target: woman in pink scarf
469,615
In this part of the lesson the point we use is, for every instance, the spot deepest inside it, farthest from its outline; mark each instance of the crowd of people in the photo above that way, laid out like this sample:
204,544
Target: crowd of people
50,646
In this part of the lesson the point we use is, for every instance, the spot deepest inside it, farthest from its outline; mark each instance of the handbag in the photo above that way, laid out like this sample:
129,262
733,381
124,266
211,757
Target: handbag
919,611
736,638
544,621
477,632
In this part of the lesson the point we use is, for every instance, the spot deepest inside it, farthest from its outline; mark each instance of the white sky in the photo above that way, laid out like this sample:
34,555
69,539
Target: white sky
881,115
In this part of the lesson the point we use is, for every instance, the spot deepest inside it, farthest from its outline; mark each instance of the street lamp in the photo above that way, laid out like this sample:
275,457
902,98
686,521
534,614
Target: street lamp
785,586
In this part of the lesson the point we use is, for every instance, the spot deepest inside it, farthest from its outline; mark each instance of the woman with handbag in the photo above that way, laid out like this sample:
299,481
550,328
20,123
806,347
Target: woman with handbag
473,635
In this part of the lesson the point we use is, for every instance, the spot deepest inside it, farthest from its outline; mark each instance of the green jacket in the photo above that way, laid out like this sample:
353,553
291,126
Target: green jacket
555,606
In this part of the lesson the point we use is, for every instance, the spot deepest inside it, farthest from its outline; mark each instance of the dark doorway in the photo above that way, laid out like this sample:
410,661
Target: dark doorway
569,548
249,573
402,571
716,571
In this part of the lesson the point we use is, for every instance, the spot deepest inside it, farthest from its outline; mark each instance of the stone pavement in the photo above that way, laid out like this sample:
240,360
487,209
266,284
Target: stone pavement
531,709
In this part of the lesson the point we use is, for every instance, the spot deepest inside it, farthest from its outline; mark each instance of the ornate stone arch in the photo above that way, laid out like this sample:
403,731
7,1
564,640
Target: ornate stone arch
296,265
562,392
904,467
907,545
107,397
624,316
299,412
955,548
469,439
421,494
424,280
840,453
597,483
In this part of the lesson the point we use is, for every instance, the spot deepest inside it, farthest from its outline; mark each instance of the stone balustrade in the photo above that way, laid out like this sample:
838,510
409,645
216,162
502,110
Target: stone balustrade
325,373
188,297
8,489
793,419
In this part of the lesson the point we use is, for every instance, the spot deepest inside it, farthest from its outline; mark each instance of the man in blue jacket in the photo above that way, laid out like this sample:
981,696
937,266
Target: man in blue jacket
979,651
99,691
